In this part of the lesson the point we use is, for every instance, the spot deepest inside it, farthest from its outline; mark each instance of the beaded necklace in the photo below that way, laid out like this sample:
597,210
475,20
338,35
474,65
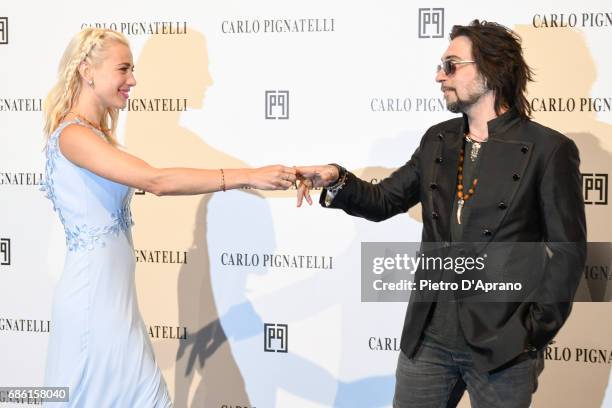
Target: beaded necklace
463,196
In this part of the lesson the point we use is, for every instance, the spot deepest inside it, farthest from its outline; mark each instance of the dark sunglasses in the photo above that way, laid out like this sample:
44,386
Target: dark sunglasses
449,66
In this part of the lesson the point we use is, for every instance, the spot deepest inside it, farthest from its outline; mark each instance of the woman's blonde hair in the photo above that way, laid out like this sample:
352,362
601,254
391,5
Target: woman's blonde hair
87,46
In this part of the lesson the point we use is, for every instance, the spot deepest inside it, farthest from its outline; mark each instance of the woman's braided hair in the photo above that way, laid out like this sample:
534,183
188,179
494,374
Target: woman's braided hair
87,46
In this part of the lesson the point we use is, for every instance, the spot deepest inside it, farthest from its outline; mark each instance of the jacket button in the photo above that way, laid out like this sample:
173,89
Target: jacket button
524,149
440,136
486,233
502,205
439,159
435,215
515,177
433,186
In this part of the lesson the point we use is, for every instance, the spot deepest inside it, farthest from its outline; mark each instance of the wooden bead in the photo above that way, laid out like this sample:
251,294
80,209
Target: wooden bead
460,193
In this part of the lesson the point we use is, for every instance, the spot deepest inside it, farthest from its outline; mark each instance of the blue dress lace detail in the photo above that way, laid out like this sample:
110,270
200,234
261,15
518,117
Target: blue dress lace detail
81,236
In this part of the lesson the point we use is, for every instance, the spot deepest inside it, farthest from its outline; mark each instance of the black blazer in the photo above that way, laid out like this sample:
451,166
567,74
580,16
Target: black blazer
529,190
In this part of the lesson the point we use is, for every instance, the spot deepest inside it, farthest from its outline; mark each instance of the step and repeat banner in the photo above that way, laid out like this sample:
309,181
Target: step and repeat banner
248,300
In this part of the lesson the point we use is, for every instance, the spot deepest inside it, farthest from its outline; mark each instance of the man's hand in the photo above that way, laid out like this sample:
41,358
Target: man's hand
313,177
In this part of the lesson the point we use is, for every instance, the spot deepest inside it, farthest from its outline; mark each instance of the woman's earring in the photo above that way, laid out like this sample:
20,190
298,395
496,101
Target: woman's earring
90,83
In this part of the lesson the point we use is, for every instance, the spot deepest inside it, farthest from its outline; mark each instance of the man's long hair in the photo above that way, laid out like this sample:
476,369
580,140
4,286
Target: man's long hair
499,57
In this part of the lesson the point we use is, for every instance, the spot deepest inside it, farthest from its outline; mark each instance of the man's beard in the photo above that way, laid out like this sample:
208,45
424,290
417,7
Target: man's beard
463,105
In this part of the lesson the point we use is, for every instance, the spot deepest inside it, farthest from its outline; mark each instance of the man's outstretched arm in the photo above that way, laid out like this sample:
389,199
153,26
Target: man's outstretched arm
376,202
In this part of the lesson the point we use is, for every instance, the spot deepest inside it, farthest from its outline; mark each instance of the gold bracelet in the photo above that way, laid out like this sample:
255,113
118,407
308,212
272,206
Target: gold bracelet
222,180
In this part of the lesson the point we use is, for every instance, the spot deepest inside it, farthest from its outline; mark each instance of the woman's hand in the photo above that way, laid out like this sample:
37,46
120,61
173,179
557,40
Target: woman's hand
276,177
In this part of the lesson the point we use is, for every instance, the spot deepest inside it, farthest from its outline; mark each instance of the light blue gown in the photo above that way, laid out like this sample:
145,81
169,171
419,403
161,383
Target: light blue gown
98,346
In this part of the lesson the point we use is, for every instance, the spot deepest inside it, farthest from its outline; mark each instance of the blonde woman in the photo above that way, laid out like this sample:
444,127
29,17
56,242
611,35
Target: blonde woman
99,346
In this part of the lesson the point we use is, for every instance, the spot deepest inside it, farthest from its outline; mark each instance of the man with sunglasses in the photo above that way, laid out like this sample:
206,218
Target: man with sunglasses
491,176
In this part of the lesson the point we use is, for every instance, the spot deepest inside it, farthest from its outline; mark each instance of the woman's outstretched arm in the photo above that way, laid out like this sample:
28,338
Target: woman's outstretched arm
83,147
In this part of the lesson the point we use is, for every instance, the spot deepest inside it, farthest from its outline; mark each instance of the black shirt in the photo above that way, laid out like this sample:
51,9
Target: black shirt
444,325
